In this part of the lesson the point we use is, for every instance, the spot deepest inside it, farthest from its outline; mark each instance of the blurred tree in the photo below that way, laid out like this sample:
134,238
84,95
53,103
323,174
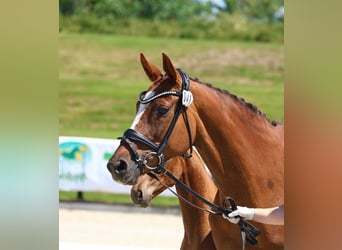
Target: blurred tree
180,10
260,20
66,7
261,10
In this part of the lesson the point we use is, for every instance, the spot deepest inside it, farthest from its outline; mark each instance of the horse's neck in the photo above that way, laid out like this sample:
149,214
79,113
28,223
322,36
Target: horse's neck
235,142
196,221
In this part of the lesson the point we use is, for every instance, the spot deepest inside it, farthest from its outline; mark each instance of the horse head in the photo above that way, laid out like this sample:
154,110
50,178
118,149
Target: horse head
162,127
148,187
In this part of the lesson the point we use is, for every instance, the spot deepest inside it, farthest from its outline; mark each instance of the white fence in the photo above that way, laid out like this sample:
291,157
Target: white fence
82,165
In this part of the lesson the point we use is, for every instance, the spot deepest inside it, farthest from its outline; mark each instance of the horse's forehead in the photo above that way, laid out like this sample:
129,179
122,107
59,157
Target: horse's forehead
162,84
142,108
153,90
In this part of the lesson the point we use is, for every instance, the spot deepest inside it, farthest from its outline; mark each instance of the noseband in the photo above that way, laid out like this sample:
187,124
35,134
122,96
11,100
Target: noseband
155,160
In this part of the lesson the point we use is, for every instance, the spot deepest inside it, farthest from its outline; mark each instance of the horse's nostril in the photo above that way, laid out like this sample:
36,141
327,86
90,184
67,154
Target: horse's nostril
139,195
120,167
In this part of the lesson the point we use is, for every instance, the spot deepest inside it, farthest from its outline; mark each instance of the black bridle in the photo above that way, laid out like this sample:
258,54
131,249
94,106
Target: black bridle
154,160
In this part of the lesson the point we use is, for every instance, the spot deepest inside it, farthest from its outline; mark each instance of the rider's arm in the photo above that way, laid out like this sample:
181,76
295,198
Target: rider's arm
273,215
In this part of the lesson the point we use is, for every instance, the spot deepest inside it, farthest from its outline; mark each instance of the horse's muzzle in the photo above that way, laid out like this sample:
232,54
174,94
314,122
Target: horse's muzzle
140,198
122,172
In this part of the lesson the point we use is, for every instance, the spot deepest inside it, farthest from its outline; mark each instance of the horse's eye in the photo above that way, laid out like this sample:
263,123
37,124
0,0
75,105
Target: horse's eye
162,110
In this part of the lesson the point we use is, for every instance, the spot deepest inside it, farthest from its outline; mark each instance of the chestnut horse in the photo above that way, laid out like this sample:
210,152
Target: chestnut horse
243,150
197,233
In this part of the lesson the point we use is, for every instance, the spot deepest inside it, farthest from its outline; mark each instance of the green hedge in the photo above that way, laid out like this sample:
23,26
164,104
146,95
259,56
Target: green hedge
224,27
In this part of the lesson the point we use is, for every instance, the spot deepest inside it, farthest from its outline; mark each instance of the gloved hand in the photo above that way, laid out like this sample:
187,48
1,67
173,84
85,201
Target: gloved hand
244,212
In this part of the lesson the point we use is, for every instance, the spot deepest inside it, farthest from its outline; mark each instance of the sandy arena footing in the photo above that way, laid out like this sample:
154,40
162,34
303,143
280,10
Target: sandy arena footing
89,226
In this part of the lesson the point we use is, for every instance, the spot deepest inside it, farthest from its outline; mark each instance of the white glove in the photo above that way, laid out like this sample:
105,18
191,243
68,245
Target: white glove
187,98
244,212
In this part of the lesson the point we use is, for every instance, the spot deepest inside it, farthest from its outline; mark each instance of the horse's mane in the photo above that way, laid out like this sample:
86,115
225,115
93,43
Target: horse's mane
242,101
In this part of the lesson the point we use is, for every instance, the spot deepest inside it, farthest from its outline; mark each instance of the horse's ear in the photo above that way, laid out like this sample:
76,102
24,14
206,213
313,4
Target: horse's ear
151,71
169,68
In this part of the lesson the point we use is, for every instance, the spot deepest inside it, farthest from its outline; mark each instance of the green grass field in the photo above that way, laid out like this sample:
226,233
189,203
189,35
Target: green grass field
100,77
159,201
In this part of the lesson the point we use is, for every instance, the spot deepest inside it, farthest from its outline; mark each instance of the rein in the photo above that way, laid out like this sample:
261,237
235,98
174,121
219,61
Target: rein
155,160
248,231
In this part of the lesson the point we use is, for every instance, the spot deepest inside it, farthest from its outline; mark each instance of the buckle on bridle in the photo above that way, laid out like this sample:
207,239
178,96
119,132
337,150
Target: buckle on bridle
152,160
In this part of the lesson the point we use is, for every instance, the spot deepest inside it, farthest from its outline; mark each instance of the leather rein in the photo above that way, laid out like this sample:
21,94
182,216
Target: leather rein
155,160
